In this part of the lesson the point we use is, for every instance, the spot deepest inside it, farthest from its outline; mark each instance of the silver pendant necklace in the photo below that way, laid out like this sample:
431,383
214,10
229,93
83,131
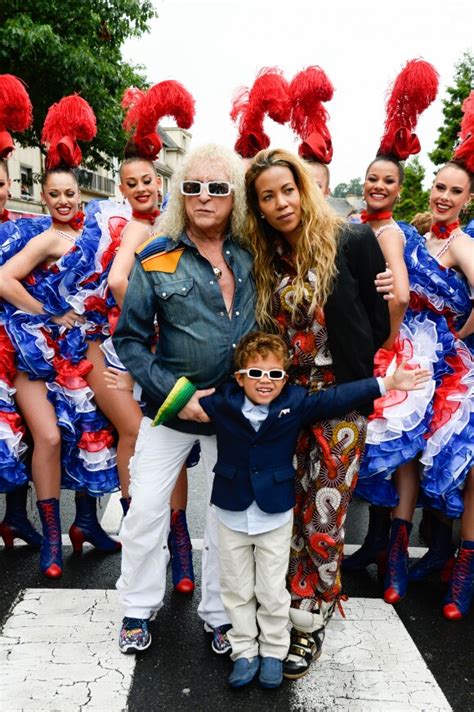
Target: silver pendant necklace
217,271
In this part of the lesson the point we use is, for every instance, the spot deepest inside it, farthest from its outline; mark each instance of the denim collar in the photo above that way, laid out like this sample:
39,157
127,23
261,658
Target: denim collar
186,240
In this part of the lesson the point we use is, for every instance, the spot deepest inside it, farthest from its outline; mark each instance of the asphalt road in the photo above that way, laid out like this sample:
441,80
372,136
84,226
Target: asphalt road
179,671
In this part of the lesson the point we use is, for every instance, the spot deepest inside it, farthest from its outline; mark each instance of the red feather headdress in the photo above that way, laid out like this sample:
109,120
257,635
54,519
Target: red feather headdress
268,96
464,153
413,90
15,111
308,89
69,120
146,108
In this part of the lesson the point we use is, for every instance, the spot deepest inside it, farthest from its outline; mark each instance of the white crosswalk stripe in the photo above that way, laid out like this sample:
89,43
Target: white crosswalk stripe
59,652
369,664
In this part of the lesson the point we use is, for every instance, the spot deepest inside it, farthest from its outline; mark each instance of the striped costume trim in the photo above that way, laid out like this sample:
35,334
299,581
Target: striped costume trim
175,401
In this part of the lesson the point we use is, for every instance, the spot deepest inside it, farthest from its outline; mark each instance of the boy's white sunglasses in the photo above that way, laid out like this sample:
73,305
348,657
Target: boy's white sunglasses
219,188
274,374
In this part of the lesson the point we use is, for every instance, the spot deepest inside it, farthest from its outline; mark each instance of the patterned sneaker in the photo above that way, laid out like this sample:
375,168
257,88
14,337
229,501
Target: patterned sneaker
134,635
220,642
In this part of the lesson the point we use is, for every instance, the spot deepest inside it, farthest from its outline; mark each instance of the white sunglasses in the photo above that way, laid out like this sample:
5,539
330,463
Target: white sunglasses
219,188
274,374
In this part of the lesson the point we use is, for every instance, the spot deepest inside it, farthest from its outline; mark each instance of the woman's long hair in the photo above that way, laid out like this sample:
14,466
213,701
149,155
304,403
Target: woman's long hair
316,247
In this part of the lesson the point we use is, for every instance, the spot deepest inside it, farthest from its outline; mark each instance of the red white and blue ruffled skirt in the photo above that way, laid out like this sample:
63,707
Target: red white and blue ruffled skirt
46,351
434,426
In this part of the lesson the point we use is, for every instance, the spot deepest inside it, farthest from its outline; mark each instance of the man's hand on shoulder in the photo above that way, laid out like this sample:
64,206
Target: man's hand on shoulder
193,411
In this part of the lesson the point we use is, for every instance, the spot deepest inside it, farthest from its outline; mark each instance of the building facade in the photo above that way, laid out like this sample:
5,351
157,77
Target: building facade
26,166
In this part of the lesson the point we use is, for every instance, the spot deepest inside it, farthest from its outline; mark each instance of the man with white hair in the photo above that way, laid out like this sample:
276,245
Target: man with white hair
193,279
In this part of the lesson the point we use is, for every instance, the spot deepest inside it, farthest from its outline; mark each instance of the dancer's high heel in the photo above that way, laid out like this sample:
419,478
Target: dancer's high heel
179,543
86,527
374,550
16,524
396,578
461,588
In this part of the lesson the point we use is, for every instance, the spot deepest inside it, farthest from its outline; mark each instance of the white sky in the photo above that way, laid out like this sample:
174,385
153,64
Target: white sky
215,46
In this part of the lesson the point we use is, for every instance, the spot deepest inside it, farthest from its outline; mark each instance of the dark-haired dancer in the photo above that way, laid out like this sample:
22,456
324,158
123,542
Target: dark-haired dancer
39,284
440,443
15,114
140,186
412,92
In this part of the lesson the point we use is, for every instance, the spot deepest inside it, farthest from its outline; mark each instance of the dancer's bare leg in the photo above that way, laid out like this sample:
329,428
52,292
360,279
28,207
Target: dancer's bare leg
407,483
39,415
120,408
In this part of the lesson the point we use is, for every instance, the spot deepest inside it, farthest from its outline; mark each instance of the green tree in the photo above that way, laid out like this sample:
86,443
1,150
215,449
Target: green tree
341,190
413,199
58,48
355,187
452,111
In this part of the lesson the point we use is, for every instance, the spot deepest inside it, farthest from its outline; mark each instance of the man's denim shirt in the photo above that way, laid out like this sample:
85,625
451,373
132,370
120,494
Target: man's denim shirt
197,337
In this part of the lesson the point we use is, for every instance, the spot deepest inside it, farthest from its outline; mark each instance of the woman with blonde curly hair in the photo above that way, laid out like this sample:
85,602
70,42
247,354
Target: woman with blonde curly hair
315,278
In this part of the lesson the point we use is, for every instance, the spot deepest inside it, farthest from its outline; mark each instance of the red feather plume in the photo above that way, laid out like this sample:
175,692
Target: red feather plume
131,97
16,112
69,120
268,96
145,109
414,89
308,89
464,153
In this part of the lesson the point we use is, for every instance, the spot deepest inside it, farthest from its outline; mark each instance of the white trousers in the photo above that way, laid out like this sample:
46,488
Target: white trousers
253,570
154,468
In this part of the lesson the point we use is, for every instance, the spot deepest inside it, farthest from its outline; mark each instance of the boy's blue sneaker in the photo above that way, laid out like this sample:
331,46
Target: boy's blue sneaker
134,635
271,672
244,671
220,642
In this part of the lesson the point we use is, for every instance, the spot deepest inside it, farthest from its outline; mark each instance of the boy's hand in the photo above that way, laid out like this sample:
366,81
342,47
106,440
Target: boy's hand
119,380
405,379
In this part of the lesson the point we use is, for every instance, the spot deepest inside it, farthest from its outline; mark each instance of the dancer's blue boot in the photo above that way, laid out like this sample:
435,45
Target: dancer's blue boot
461,588
86,527
396,578
440,555
179,543
375,547
51,555
16,524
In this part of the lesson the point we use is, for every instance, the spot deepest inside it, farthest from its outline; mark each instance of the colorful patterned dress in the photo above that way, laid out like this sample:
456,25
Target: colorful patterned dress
327,456
435,425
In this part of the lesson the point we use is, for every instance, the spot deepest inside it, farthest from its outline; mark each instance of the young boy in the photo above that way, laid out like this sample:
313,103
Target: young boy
257,421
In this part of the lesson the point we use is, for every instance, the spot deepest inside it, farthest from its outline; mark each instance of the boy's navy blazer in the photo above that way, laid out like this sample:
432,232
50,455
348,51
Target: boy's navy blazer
258,465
